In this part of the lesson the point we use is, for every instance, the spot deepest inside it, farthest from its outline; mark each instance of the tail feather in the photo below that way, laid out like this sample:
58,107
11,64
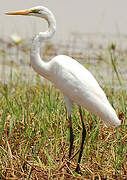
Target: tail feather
109,116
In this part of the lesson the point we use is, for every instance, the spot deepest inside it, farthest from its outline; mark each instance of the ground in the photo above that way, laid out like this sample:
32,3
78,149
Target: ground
34,134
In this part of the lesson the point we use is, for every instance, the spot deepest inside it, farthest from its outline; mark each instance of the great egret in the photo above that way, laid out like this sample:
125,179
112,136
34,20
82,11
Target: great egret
74,80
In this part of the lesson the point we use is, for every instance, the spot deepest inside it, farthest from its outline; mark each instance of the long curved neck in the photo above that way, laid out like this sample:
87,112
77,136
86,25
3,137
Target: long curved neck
41,67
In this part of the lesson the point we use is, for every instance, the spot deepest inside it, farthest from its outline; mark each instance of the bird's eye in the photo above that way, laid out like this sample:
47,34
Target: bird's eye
35,11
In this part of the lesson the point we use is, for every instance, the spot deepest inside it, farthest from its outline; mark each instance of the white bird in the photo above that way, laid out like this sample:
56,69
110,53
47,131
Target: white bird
73,79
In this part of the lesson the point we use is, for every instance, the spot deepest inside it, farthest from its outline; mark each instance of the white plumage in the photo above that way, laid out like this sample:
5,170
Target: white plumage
74,80
79,85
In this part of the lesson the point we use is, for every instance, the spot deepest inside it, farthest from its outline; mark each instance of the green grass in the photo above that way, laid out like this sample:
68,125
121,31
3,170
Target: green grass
34,136
34,133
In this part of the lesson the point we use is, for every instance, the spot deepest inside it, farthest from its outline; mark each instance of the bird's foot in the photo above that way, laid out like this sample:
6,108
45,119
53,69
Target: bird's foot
77,170
68,171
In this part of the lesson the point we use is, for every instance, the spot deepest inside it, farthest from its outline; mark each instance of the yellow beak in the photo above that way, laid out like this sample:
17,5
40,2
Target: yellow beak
21,12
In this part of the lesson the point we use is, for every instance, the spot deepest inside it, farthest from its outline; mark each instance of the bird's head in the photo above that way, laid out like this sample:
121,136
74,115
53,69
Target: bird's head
38,11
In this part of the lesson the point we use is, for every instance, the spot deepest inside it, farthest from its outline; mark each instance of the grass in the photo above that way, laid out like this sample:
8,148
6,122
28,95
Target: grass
34,134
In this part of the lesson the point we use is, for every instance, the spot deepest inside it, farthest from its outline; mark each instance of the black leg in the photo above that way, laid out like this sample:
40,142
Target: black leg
71,142
71,137
82,142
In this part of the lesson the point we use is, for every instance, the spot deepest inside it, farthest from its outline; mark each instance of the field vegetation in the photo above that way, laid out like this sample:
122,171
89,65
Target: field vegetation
34,133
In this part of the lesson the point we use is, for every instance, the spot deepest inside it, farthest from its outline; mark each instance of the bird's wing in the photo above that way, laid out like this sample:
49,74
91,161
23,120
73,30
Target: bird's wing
74,71
76,82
